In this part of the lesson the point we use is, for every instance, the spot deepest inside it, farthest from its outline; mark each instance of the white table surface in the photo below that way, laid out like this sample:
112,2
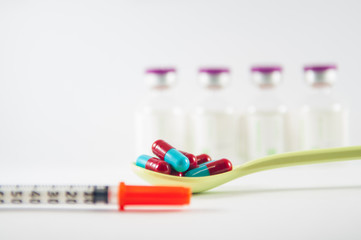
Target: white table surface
308,202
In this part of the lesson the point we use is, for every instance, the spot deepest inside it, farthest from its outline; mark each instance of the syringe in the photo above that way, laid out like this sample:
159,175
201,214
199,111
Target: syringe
75,196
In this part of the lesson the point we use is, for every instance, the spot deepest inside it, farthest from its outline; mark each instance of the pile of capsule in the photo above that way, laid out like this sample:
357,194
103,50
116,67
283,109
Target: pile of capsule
178,163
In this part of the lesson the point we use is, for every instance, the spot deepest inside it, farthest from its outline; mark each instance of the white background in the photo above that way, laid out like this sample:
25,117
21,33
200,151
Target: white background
71,73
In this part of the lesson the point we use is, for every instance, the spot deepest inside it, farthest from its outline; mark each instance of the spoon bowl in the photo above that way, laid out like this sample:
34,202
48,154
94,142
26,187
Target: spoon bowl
200,184
197,184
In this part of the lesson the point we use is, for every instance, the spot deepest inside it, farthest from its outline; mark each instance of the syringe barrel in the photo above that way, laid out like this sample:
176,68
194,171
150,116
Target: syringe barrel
83,196
53,195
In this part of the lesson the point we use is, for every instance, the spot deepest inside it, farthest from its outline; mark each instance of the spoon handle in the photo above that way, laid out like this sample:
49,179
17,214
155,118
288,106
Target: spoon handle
300,158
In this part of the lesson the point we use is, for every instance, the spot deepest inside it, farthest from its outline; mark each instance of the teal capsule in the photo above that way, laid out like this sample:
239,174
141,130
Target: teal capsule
210,168
177,160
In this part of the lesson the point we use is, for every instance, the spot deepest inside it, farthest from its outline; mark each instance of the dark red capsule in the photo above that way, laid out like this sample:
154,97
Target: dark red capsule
203,158
210,168
158,165
219,166
192,159
160,148
154,164
175,173
177,160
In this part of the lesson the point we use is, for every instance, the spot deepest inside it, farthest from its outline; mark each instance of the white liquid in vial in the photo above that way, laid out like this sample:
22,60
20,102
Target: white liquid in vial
266,134
154,124
323,128
215,133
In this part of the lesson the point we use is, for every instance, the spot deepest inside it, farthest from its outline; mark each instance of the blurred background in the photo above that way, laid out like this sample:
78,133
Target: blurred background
72,72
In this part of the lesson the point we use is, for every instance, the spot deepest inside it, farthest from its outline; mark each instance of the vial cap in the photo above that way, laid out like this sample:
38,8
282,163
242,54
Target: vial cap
266,69
320,68
160,71
152,195
214,77
160,77
320,75
266,76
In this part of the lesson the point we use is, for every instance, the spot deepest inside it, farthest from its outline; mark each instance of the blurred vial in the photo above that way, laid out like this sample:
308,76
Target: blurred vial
159,116
213,119
323,119
266,117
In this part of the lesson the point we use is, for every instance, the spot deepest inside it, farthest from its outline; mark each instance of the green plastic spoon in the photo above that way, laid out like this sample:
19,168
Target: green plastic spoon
200,184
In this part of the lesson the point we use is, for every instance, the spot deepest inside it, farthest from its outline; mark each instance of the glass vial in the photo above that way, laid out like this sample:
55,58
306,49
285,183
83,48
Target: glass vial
213,119
323,119
266,116
159,116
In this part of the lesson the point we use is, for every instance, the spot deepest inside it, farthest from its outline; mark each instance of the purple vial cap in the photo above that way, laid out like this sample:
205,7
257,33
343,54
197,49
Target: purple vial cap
266,69
320,68
160,71
214,70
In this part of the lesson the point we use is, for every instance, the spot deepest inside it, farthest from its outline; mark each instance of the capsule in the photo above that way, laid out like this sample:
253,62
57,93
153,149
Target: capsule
192,160
203,158
177,160
154,164
210,168
175,173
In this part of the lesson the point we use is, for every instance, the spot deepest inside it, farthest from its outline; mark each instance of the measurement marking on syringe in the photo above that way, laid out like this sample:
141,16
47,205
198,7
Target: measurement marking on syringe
89,196
37,194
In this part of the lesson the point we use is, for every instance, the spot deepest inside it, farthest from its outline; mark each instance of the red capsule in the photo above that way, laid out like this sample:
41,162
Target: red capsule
160,148
210,168
219,166
171,155
154,164
203,158
175,173
158,165
192,159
